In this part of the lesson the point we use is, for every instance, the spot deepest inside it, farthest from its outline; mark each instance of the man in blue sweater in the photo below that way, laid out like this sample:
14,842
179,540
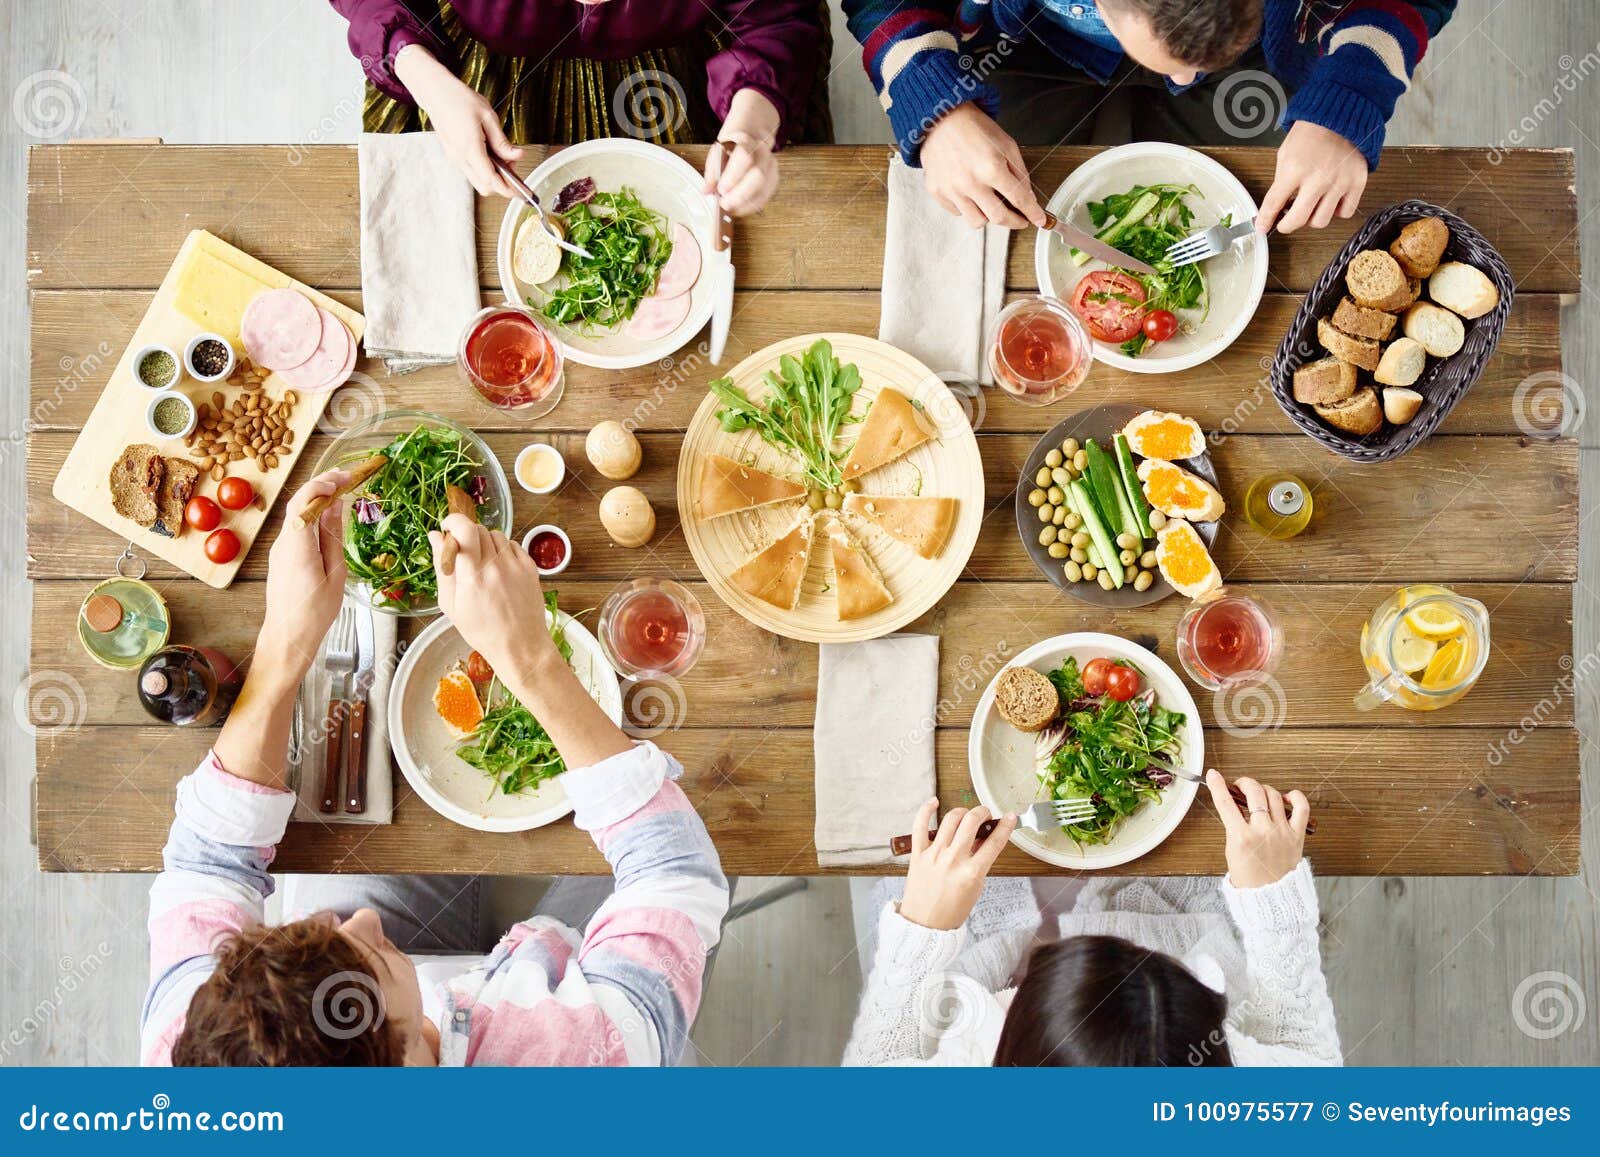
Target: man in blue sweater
964,81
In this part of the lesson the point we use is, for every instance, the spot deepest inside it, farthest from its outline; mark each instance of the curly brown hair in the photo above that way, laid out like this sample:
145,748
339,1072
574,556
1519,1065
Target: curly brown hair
1206,34
293,994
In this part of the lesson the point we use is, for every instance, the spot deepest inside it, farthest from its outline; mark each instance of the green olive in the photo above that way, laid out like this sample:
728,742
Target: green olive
1036,497
1042,477
1055,495
814,499
1148,560
1073,521
1142,581
1081,539
833,500
1069,448
1079,555
1074,571
1047,535
851,486
1126,541
1157,520
1053,458
1060,476
1090,570
1060,516
1080,459
1046,512
1057,550
1104,579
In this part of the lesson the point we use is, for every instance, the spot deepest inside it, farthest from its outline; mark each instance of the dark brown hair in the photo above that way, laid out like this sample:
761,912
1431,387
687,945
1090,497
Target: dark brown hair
1207,34
1101,1001
294,994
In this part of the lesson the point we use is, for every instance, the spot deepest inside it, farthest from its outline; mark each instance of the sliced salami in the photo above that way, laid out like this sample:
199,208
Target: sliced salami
658,316
682,269
280,328
322,370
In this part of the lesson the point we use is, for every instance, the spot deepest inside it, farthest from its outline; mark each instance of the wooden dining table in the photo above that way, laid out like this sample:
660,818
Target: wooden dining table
1487,505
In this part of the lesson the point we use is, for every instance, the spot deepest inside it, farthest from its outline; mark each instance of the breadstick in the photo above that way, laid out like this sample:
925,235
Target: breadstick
358,474
458,501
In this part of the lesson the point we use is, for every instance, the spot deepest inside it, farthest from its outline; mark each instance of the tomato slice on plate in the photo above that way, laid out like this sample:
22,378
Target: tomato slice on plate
1111,305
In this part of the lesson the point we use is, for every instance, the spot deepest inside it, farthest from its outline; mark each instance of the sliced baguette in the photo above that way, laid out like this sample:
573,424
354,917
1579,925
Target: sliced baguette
1439,331
1375,281
1402,362
1359,321
1322,382
1463,289
1420,246
1400,405
1360,414
1361,352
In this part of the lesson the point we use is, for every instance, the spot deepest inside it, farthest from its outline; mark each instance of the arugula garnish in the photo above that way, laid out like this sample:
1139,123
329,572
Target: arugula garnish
1166,219
629,242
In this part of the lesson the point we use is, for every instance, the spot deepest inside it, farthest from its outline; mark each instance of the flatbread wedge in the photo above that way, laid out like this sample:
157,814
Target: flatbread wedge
727,486
924,524
774,575
893,429
858,588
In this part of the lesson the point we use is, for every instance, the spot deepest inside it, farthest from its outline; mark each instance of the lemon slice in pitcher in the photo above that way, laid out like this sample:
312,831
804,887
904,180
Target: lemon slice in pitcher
1412,652
1435,621
1448,667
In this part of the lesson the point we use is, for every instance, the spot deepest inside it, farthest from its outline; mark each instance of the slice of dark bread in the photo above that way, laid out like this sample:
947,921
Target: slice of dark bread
177,487
135,481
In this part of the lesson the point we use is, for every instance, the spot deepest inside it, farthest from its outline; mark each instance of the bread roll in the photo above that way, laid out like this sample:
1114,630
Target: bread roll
1322,382
1402,362
1420,246
1360,414
1463,289
1359,321
1440,331
1375,280
1400,405
1361,352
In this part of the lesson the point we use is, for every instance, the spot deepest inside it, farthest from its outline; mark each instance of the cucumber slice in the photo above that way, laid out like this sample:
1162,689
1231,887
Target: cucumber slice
1141,209
1097,531
1130,483
1113,505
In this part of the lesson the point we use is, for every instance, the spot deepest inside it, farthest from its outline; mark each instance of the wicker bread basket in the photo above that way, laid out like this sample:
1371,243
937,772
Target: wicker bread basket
1444,380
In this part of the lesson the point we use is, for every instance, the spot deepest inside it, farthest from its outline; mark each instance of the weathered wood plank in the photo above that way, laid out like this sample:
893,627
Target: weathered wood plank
749,674
105,802
75,347
308,227
1456,509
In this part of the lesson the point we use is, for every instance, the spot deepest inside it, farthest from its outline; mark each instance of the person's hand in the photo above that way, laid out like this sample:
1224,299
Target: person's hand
305,580
490,591
1264,846
467,124
1320,172
946,874
975,171
745,177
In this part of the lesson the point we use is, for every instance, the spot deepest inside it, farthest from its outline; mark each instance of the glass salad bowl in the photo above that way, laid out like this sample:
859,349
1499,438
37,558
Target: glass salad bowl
387,549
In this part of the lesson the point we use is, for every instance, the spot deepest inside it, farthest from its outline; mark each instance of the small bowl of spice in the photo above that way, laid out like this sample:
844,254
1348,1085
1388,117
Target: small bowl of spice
549,547
156,367
170,415
209,357
540,468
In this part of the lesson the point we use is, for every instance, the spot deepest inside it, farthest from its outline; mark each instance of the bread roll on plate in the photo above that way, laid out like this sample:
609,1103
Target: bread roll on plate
1438,330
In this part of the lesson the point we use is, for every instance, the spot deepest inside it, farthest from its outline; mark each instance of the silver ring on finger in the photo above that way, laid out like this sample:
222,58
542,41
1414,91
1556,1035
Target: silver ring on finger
1260,811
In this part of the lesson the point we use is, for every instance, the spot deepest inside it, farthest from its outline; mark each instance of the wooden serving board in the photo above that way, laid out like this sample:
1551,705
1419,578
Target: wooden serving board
946,466
118,417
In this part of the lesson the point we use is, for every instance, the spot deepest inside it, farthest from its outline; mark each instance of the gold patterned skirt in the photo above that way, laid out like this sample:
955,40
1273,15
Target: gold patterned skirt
657,95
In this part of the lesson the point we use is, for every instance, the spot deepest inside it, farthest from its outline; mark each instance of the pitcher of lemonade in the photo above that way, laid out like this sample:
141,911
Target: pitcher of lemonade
1424,648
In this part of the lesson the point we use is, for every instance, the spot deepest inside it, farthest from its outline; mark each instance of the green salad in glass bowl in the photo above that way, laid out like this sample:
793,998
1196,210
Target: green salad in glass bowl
388,516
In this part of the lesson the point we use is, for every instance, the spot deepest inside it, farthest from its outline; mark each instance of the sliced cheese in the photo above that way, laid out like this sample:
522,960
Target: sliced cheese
212,292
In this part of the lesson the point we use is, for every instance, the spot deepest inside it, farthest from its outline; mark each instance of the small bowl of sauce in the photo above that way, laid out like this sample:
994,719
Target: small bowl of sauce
540,468
549,547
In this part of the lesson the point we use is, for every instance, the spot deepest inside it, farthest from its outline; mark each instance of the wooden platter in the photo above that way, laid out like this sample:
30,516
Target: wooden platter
118,417
946,466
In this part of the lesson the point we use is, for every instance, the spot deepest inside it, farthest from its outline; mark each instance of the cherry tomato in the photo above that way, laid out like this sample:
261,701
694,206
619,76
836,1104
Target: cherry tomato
1095,673
222,546
478,669
1122,683
202,513
1160,324
235,493
395,593
1109,304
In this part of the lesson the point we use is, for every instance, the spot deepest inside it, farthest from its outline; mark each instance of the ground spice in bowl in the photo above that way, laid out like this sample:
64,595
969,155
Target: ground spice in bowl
209,358
170,416
156,369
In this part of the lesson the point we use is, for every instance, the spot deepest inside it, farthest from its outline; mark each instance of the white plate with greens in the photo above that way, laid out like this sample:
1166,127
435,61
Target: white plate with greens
1234,281
663,184
1004,765
427,751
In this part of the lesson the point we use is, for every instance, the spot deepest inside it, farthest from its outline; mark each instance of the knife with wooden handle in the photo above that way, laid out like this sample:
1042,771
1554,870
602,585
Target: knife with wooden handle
333,751
355,734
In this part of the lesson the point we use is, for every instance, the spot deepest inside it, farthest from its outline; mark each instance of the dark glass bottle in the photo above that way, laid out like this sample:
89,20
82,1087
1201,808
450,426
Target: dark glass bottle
189,686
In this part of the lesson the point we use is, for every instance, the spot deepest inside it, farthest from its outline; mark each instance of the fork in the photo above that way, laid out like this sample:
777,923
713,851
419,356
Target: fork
1208,242
1046,815
340,660
1233,790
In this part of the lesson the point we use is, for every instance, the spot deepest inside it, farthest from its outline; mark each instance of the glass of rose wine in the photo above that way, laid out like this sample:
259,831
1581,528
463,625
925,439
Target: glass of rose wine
1228,638
513,360
651,629
1039,351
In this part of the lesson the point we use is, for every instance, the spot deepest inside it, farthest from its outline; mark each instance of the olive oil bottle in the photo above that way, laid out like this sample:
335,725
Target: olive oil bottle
1278,505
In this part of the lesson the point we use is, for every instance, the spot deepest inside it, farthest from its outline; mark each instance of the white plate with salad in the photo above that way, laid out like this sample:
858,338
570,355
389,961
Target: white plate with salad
1141,198
1110,730
503,774
639,211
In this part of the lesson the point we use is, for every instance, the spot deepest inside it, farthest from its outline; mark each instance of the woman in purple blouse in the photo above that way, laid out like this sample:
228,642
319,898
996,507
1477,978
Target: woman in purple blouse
492,74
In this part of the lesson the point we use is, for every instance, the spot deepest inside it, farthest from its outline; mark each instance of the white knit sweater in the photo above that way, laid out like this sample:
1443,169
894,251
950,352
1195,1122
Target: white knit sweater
940,998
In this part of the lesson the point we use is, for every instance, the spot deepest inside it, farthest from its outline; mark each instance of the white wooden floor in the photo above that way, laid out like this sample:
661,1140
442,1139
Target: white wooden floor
1423,971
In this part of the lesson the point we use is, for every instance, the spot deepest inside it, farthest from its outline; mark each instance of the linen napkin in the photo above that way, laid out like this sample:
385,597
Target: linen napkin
312,711
419,250
877,706
943,280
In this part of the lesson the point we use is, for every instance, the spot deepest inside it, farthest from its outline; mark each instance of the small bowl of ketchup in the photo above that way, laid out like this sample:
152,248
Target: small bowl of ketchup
549,547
